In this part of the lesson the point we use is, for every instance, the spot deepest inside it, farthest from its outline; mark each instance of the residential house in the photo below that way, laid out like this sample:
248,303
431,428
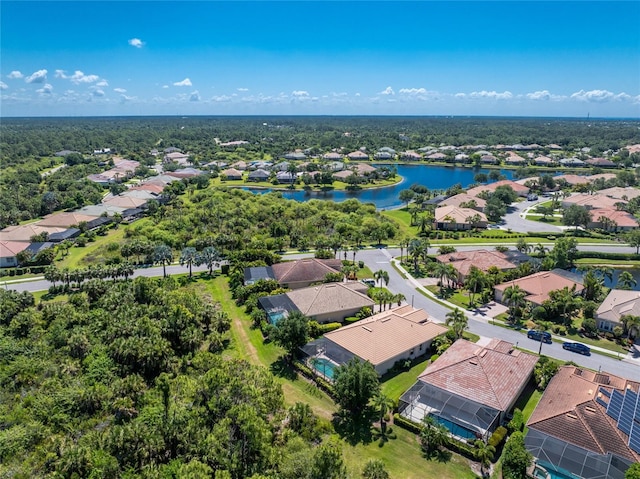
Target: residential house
234,143
539,285
410,156
455,218
333,156
482,259
362,168
591,201
463,200
172,149
286,177
383,155
601,163
470,388
436,156
295,155
232,174
185,173
399,334
544,161
489,159
304,272
101,209
282,166
520,190
515,159
176,157
258,175
612,220
9,251
618,303
586,425
68,234
336,166
604,176
64,153
572,162
573,179
462,158
125,202
621,193
64,220
25,232
324,303
358,156
240,165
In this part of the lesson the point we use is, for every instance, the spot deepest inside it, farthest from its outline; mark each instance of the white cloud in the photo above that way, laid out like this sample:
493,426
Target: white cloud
102,83
136,42
46,89
120,90
37,77
3,85
357,94
79,77
413,91
387,91
165,86
494,95
221,98
460,95
185,82
602,96
195,96
300,93
15,74
125,98
98,92
243,89
544,95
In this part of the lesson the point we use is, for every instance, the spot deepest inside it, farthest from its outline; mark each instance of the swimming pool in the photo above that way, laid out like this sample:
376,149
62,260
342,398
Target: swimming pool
544,470
323,366
454,428
275,317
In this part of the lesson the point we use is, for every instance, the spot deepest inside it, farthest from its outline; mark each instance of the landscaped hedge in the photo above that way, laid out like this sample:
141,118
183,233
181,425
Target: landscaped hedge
605,255
498,437
322,383
407,424
316,329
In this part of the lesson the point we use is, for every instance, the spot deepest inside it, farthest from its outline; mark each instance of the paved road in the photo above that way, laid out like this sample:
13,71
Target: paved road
381,258
515,222
377,259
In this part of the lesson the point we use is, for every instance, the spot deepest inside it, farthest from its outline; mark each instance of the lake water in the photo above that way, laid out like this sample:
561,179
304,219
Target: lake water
433,177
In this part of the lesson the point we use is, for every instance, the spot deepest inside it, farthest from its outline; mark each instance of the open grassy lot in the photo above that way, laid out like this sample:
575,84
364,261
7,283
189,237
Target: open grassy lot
336,186
82,256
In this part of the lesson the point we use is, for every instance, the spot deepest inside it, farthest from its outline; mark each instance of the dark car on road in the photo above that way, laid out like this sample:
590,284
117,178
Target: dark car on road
539,336
577,348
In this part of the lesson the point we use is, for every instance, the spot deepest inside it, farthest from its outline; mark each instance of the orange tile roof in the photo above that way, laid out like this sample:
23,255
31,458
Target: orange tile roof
308,269
492,375
388,334
519,189
9,249
539,285
568,410
481,259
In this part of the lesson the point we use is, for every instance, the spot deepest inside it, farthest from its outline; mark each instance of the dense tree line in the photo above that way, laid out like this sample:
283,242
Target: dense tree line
131,379
25,138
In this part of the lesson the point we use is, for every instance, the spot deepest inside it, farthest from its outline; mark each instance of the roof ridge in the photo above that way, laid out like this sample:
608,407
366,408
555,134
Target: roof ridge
486,376
586,425
314,299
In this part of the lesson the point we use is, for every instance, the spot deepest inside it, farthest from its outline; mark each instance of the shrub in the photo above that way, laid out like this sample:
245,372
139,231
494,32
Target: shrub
517,422
498,437
434,357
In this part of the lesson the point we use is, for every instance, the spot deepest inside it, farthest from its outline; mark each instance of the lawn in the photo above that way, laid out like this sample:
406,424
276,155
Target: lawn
395,385
82,256
402,456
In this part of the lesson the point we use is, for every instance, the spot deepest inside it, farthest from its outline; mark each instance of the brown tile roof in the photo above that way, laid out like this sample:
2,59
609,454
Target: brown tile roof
329,297
64,219
568,410
591,201
358,155
308,269
25,232
619,303
232,172
363,168
574,179
519,189
621,193
604,176
539,285
481,259
492,375
9,249
457,200
388,334
459,215
152,187
620,218
125,201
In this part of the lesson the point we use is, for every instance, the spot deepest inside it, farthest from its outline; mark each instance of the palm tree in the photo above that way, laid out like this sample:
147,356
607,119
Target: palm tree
485,454
210,257
626,281
476,280
541,249
381,275
450,274
163,255
630,323
458,321
416,250
383,404
399,298
514,298
188,256
433,434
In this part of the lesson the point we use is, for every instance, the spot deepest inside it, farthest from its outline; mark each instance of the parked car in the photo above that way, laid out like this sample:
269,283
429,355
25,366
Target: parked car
543,336
577,348
369,282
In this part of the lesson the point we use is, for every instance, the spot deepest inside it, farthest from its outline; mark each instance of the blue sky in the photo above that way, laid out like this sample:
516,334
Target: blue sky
511,58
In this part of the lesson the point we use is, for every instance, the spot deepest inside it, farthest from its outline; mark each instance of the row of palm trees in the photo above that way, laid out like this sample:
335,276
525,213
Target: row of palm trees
68,275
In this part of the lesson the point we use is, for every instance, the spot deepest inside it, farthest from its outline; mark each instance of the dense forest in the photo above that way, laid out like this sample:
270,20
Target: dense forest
135,379
24,138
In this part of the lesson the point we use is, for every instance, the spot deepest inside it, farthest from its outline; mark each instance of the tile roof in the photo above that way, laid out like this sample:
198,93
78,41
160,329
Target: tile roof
9,249
457,200
492,375
591,201
231,172
25,232
573,179
358,155
124,201
619,303
64,219
621,193
459,215
621,218
539,285
491,187
568,410
148,186
329,297
481,259
388,334
308,269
